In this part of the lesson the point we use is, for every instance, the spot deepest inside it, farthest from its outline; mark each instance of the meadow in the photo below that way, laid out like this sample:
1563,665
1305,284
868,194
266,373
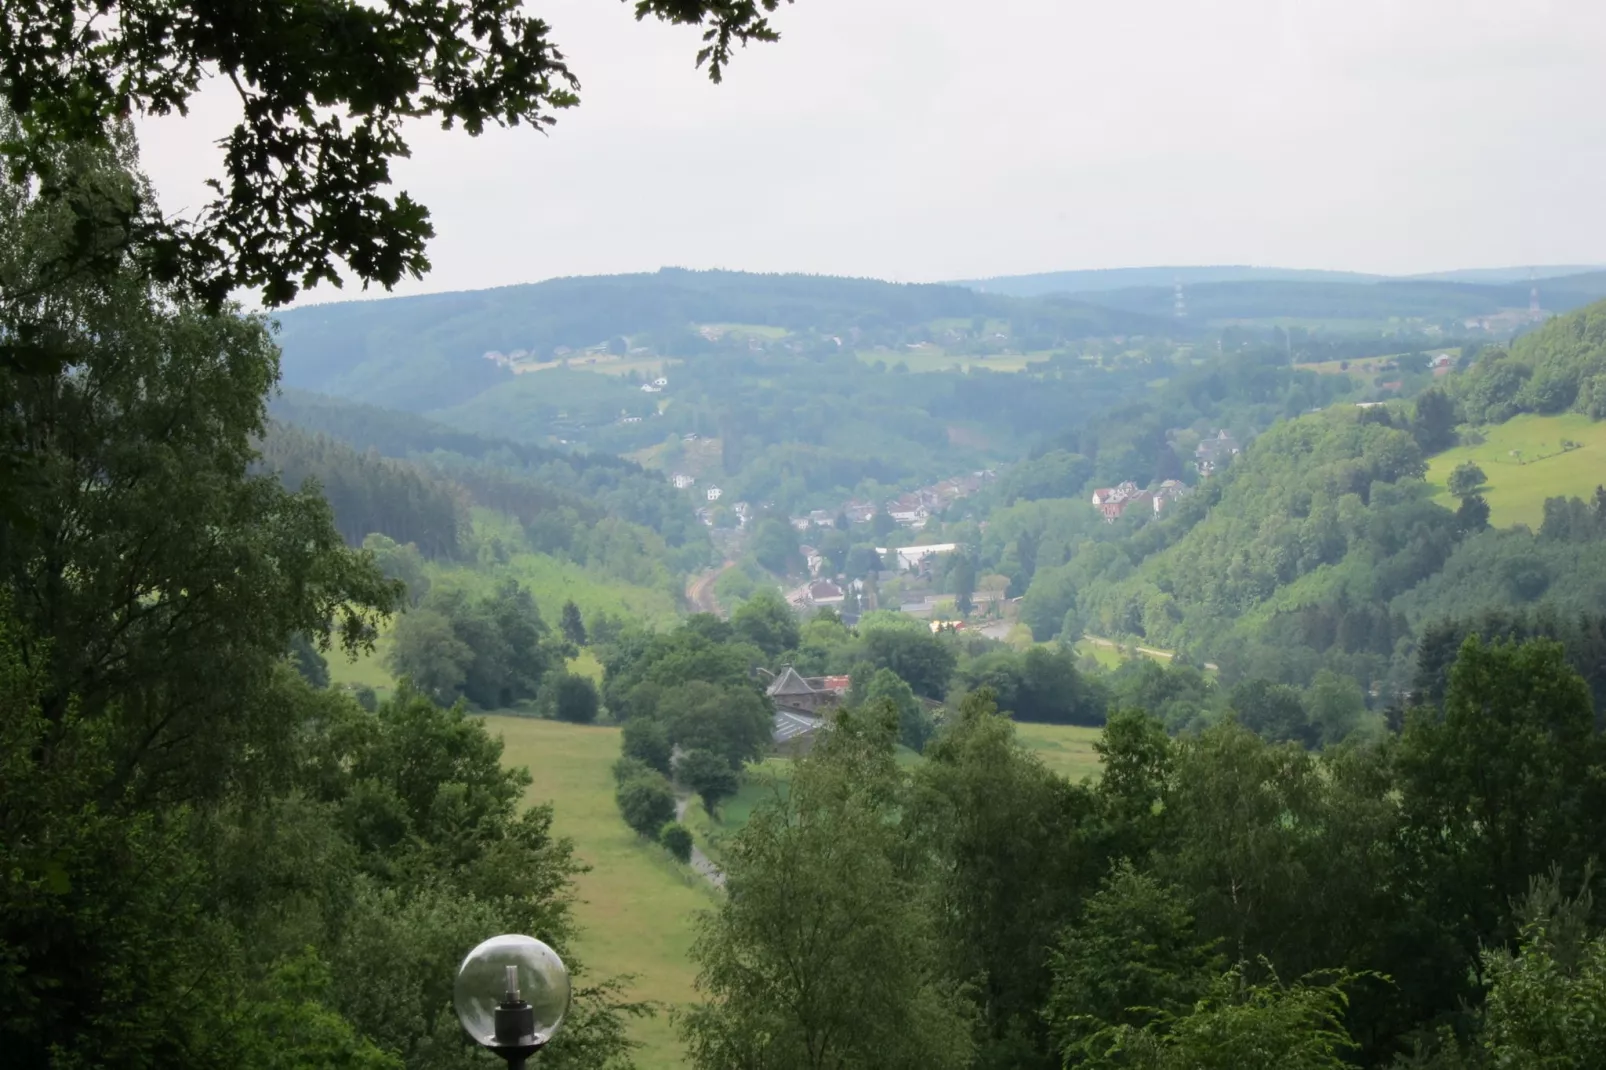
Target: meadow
636,905
1516,492
933,358
1067,749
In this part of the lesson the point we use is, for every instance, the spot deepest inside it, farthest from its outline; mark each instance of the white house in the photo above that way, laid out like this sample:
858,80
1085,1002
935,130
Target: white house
660,382
682,480
714,493
911,556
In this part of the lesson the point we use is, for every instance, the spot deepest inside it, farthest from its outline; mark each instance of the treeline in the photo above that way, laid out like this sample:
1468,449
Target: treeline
500,471
495,651
369,493
1560,367
1428,901
1434,301
204,861
433,345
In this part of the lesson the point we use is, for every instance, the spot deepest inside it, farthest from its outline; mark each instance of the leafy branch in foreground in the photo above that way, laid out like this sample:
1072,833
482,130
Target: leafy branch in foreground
325,88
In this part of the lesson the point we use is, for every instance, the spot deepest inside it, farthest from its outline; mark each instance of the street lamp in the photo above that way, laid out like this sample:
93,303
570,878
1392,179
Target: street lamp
511,995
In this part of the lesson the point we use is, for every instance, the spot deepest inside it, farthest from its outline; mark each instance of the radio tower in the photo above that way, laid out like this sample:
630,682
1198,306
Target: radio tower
1178,305
1533,298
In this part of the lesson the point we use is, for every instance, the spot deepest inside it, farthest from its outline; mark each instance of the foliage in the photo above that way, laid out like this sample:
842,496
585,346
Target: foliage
302,192
647,741
676,838
709,775
1559,367
1466,479
823,952
1003,835
1039,684
569,697
1132,957
924,661
915,727
493,651
369,494
571,624
767,622
1240,1025
647,803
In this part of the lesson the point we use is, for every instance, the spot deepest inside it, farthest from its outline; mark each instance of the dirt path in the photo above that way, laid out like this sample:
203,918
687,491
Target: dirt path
700,589
699,861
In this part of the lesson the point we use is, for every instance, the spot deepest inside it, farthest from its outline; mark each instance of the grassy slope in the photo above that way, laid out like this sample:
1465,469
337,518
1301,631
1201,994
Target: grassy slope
637,904
1066,749
934,359
1517,492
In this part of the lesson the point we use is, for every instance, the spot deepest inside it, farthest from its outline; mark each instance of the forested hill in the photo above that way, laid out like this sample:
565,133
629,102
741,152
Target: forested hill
400,475
1097,280
1324,547
1352,300
1091,282
426,353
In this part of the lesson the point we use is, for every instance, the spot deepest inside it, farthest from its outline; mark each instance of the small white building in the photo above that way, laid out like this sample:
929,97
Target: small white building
681,480
660,382
911,556
714,493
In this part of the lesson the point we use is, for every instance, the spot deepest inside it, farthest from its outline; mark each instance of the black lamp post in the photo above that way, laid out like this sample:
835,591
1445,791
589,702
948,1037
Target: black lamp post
511,995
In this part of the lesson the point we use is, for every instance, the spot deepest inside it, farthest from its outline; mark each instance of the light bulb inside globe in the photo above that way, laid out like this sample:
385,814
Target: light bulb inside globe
511,993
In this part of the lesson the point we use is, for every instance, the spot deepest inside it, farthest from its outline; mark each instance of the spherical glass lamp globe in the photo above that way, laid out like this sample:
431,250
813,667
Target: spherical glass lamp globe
512,993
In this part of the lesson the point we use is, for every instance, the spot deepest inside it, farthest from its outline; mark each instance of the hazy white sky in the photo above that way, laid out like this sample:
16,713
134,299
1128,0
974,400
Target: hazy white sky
935,139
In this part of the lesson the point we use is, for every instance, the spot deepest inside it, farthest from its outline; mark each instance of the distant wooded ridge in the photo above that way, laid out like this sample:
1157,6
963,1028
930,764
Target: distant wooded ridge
1095,280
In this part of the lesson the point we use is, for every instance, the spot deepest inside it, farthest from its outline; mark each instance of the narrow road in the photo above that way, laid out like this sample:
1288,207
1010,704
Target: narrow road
699,861
700,589
1153,652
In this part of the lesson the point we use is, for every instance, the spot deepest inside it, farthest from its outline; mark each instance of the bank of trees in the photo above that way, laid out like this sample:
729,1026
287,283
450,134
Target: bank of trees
1214,900
181,812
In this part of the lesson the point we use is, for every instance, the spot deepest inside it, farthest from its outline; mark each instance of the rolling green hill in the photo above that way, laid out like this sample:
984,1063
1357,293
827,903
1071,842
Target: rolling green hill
1526,464
424,353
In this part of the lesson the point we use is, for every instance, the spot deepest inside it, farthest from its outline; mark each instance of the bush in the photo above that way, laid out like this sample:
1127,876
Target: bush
628,768
709,775
647,742
569,697
677,838
647,803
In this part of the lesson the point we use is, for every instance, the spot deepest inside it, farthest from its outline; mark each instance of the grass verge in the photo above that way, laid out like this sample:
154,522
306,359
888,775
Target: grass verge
636,905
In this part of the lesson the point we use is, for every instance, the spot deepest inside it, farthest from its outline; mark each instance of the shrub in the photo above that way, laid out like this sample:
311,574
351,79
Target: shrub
646,803
647,742
569,697
677,838
709,775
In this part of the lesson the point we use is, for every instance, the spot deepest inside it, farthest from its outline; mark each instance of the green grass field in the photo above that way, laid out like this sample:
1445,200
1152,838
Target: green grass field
637,905
1516,492
1066,749
747,330
935,359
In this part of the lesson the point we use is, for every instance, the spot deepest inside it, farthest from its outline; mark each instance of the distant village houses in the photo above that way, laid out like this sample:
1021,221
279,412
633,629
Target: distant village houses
1113,502
682,480
1214,452
917,557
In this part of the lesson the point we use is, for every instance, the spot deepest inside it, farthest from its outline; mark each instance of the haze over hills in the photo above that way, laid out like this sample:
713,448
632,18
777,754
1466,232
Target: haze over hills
1097,280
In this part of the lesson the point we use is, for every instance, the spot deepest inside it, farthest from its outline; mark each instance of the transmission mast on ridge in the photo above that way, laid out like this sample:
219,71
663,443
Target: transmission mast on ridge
1178,304
1533,297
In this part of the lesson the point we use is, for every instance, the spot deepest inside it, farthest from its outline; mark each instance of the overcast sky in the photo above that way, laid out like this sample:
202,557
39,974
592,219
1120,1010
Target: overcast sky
921,140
